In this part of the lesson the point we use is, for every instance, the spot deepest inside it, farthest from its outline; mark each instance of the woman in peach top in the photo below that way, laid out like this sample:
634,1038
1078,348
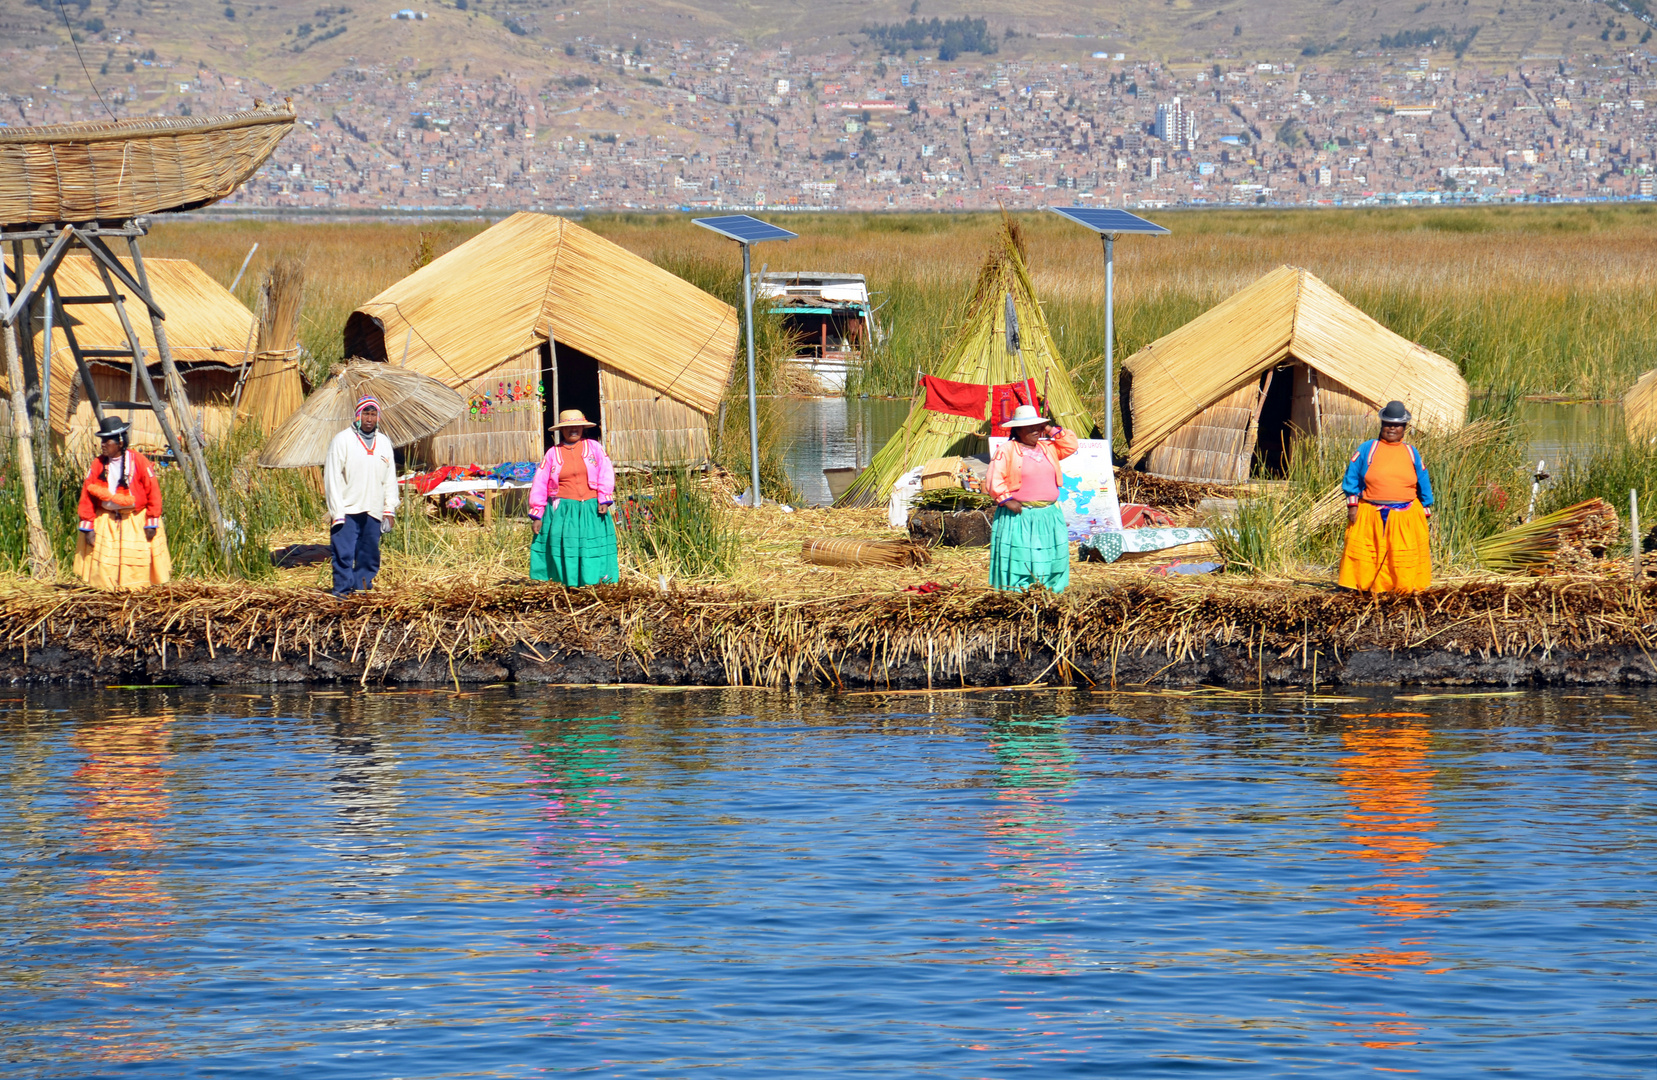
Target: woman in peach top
569,508
1029,544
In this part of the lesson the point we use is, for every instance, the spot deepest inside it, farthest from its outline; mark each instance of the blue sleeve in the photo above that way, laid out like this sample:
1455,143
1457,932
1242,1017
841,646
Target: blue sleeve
1423,485
1353,482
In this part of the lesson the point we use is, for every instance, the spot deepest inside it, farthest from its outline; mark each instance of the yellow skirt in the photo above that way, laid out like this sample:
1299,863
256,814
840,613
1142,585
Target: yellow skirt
1394,557
120,556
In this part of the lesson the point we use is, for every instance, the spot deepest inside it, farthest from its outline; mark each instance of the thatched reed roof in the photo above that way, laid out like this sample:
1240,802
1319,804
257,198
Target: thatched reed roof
412,406
978,354
506,290
206,324
1288,314
123,168
1639,407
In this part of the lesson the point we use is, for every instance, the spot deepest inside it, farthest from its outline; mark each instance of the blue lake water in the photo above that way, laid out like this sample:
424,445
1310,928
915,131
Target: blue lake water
742,884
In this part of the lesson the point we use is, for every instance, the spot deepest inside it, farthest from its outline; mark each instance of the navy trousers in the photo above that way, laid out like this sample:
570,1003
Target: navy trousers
356,542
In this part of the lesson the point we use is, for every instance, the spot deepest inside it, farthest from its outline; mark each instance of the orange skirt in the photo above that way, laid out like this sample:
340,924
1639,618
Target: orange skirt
121,556
1395,557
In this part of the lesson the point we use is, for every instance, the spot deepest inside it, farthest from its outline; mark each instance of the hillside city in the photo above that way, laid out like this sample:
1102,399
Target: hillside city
703,124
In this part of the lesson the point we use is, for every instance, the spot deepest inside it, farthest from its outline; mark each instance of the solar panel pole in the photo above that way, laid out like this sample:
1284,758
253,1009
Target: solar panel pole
753,401
1110,337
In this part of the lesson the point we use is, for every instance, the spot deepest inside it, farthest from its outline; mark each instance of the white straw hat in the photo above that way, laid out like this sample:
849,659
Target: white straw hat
572,418
1025,416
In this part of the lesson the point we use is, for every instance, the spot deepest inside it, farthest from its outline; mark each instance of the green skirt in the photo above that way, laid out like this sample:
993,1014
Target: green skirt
576,545
1031,547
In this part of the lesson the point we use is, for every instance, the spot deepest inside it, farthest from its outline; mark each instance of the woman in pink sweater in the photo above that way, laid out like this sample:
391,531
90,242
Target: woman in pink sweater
569,508
1029,544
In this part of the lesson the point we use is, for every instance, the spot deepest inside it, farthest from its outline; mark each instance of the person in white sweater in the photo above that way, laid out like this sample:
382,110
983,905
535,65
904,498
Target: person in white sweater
360,480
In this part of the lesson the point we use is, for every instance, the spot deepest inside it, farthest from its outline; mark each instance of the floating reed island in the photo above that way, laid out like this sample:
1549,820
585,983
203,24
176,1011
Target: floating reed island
1545,631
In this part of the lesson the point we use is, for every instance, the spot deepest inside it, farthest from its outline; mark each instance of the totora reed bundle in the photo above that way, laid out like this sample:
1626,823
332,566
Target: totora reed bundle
837,551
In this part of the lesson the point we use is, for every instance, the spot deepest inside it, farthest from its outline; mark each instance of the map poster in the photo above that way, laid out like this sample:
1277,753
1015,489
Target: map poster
1088,494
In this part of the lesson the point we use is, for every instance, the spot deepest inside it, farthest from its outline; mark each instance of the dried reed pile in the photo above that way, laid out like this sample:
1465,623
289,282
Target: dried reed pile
110,170
1085,637
274,390
844,551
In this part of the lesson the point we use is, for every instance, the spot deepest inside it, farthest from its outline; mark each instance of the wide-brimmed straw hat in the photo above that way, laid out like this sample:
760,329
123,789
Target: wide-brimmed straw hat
1025,416
572,418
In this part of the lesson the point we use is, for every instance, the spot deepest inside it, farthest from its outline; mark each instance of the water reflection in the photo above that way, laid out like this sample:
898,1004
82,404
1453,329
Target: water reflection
1032,842
123,807
1388,782
575,762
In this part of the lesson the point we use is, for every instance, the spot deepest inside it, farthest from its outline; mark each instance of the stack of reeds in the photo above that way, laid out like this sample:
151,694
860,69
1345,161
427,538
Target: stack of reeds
125,168
839,551
274,389
1534,545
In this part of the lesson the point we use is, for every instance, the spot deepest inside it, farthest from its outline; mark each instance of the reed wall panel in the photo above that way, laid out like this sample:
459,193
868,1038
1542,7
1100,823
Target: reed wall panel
1216,446
515,431
643,427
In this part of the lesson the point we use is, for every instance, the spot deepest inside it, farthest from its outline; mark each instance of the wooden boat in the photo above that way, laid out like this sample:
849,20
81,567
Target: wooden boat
111,171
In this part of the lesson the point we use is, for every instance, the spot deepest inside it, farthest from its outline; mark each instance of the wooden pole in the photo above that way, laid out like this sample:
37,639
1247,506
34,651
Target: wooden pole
42,567
194,442
1634,530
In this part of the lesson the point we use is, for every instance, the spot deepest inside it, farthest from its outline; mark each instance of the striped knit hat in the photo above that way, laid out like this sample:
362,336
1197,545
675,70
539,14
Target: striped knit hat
368,402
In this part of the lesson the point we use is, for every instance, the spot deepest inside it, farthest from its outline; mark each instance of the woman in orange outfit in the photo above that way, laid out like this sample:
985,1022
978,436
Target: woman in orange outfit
122,543
1389,500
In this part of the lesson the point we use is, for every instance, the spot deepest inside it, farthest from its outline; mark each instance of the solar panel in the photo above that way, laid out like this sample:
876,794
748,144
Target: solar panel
744,229
1104,220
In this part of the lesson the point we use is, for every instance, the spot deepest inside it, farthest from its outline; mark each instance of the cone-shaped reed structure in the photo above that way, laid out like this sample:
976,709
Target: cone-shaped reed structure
978,354
274,389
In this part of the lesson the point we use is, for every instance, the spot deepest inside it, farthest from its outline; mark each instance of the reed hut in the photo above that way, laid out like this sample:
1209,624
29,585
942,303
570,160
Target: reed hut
537,314
978,355
211,334
1286,354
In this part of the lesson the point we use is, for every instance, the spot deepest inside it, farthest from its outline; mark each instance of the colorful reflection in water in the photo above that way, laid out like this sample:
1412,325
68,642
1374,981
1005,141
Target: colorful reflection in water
574,851
121,902
1388,782
1032,848
750,885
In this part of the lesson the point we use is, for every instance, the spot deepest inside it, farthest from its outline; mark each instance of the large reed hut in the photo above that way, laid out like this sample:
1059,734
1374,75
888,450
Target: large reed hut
537,314
977,356
1287,353
211,334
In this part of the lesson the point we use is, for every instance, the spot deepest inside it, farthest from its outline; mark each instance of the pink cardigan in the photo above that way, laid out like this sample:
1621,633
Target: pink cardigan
601,475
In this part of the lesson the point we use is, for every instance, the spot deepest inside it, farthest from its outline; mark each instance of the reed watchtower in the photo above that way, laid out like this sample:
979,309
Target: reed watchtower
90,186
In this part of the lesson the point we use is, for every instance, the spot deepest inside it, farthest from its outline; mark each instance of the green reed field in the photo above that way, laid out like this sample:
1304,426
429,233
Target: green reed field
1526,300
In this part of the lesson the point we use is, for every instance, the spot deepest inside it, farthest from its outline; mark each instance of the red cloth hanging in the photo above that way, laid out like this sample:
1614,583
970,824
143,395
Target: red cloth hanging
956,398
1004,398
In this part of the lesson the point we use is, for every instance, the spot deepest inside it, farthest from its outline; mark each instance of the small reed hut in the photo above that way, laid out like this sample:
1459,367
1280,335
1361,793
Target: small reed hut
210,331
977,356
537,314
1286,354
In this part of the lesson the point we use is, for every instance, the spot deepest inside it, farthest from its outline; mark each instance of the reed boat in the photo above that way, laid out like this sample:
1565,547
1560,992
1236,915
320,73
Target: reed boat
115,170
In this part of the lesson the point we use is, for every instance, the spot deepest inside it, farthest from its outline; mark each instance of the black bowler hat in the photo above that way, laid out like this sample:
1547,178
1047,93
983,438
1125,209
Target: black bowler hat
1395,413
113,428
